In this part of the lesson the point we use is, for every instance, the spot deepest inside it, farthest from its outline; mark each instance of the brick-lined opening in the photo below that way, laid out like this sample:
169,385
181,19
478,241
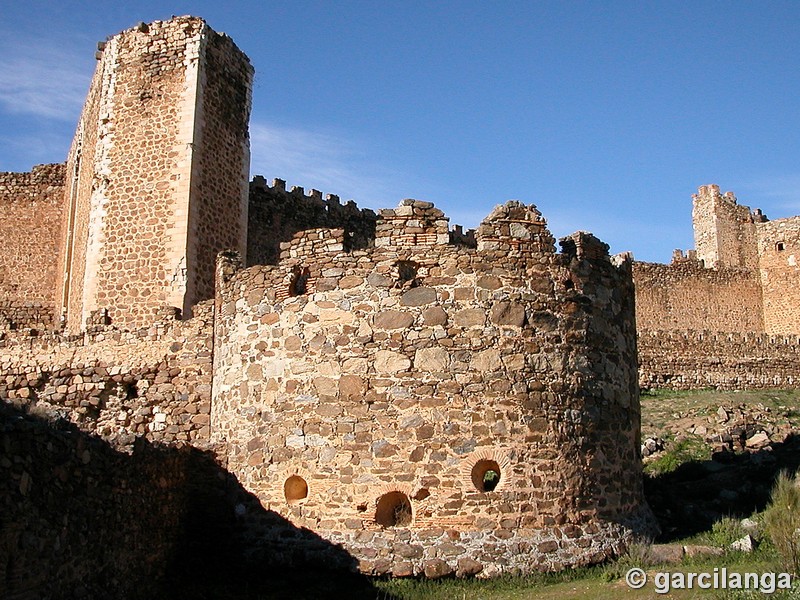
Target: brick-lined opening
485,475
295,489
394,510
299,283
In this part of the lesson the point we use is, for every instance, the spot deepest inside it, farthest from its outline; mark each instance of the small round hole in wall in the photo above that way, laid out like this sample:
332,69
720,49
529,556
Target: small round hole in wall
295,489
485,475
394,510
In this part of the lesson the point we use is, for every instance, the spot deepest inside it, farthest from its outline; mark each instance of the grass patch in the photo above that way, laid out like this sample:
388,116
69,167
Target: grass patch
688,449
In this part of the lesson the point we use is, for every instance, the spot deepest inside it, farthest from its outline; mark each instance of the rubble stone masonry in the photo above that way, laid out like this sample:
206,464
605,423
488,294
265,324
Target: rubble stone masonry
727,314
157,173
31,205
433,408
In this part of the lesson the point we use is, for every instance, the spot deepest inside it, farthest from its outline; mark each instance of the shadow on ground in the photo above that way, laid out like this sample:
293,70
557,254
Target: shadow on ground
690,499
81,519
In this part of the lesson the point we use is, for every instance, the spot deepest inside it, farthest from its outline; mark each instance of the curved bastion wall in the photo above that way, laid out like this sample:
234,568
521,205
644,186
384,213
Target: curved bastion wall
431,407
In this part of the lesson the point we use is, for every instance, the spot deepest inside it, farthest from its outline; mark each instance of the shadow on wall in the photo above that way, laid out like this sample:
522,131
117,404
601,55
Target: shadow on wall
79,519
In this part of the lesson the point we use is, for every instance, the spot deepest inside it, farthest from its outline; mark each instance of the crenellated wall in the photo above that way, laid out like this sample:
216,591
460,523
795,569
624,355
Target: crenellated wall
690,360
373,395
702,320
276,215
31,205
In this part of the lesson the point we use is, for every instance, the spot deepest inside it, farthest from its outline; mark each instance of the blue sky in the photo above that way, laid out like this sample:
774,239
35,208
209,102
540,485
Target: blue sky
606,115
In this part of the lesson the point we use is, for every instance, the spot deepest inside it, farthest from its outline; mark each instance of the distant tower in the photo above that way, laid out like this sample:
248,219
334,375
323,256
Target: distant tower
724,231
156,175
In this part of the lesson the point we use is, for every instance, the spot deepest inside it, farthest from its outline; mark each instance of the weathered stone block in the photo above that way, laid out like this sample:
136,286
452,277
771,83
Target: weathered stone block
388,362
418,296
393,319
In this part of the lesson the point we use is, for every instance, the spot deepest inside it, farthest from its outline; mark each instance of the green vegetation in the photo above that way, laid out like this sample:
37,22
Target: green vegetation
782,520
690,448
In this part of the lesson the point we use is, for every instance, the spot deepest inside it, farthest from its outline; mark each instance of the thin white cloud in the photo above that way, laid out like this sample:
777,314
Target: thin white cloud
780,193
46,79
322,161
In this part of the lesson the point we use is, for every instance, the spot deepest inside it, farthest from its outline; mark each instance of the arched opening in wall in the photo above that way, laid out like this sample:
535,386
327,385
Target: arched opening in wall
394,510
295,489
485,475
299,282
780,246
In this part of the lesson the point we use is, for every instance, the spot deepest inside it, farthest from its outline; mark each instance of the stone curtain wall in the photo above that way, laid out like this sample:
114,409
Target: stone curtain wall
703,359
160,155
779,253
154,383
81,520
367,395
31,205
686,296
276,215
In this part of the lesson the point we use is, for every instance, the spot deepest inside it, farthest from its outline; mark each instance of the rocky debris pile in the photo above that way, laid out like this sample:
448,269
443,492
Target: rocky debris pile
734,428
698,493
652,445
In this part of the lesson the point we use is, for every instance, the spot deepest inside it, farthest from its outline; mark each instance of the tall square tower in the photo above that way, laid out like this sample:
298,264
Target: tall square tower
156,175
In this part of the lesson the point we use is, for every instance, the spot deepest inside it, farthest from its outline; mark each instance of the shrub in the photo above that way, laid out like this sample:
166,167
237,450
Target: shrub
782,520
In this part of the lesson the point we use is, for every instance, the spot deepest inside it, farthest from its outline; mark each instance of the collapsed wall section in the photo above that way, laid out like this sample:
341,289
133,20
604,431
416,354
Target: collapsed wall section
31,205
153,383
159,158
433,408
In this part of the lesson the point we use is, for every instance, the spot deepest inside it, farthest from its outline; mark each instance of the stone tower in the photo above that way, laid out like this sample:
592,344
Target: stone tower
156,175
434,407
724,231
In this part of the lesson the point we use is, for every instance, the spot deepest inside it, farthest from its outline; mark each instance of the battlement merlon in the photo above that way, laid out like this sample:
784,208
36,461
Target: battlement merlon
330,202
712,195
412,223
515,226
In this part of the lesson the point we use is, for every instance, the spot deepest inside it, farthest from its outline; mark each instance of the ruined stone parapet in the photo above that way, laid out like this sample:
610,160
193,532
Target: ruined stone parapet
515,227
411,390
412,223
153,383
583,245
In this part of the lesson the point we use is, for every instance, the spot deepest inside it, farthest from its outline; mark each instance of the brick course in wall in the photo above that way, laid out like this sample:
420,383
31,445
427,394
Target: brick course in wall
369,404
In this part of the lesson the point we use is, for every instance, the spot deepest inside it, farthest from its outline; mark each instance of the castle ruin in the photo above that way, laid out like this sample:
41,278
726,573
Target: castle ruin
430,401
725,314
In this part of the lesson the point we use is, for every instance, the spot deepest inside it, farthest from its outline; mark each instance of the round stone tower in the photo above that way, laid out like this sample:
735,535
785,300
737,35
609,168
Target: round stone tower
435,406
